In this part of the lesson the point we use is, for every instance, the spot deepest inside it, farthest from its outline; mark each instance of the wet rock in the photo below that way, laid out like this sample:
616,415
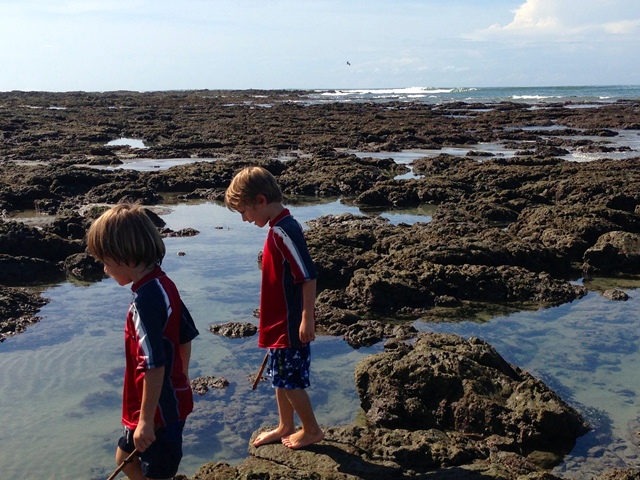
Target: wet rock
202,385
83,266
615,252
17,310
452,384
350,453
18,239
22,271
70,225
615,295
474,387
368,267
365,333
31,255
341,175
185,232
234,329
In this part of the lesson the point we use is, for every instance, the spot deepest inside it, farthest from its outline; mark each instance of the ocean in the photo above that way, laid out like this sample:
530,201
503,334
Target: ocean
60,381
533,95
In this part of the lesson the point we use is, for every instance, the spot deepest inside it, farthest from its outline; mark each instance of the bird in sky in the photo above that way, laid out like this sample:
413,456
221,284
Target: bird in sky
348,63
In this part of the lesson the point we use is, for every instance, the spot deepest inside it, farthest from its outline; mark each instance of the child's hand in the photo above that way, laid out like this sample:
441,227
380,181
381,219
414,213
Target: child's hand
307,329
144,436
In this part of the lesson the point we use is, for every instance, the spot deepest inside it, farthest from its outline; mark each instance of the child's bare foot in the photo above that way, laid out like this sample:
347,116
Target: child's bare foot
272,436
302,439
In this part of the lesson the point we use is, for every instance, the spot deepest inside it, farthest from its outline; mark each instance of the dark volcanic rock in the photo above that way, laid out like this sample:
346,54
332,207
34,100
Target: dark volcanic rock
234,329
444,408
32,256
448,383
615,295
202,385
83,266
21,271
340,175
615,252
18,239
17,310
368,267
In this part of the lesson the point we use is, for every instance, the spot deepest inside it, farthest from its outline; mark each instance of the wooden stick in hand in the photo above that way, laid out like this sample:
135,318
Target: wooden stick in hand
259,376
129,459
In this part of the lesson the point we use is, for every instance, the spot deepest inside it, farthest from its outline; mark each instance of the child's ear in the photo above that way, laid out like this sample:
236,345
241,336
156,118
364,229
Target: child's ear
261,199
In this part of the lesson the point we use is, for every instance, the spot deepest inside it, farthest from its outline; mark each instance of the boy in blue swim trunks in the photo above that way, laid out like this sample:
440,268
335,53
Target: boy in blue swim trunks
157,395
287,303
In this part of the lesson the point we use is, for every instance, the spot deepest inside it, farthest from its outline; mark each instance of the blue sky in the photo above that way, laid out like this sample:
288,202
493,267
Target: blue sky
99,45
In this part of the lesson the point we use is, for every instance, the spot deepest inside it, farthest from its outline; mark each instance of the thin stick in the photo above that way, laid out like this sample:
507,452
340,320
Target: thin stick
129,459
259,376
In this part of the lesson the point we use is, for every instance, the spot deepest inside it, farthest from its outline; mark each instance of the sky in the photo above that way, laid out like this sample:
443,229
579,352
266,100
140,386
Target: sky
150,45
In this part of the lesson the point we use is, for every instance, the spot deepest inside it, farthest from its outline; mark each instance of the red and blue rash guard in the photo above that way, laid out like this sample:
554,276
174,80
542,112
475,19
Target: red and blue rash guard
286,265
157,323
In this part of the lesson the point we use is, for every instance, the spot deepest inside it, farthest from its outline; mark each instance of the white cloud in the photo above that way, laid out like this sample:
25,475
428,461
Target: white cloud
573,20
623,27
535,15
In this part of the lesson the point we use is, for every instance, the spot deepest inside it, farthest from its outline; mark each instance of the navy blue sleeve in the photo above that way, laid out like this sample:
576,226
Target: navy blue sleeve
150,317
188,330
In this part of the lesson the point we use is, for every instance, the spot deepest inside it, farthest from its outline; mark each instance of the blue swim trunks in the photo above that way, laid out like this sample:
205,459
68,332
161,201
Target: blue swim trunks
289,367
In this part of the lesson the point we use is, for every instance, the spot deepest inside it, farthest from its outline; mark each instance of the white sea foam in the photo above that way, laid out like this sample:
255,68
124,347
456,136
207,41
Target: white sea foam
533,97
439,95
388,91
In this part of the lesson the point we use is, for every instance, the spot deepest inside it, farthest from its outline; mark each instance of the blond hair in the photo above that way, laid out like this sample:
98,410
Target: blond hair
126,235
248,184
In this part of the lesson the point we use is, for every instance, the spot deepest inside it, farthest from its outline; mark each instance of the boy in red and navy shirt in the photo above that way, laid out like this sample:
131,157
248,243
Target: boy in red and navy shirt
157,396
287,303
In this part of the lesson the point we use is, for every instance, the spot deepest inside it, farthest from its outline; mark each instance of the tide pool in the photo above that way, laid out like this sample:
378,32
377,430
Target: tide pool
60,381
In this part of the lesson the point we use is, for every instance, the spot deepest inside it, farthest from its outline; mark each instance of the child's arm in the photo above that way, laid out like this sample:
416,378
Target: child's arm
145,433
185,354
308,324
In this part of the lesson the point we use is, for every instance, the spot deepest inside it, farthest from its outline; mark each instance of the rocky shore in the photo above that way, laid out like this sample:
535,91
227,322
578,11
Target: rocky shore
508,233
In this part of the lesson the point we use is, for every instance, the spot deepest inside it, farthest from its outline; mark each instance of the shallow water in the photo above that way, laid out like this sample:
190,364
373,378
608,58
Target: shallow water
626,140
60,381
150,164
587,351
128,142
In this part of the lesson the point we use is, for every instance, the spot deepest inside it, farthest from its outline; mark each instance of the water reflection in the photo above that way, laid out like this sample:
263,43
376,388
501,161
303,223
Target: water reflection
128,142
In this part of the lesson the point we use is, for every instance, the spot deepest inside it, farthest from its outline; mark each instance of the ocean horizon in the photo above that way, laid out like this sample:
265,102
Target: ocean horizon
595,94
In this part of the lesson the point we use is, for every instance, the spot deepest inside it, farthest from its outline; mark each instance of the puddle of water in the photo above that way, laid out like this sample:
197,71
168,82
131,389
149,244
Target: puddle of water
128,142
407,157
626,139
423,213
149,164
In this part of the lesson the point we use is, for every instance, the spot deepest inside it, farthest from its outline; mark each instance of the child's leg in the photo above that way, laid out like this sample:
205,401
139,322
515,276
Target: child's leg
133,470
286,425
310,432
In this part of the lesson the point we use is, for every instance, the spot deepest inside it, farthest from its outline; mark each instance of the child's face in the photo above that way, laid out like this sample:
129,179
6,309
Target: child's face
255,212
123,274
